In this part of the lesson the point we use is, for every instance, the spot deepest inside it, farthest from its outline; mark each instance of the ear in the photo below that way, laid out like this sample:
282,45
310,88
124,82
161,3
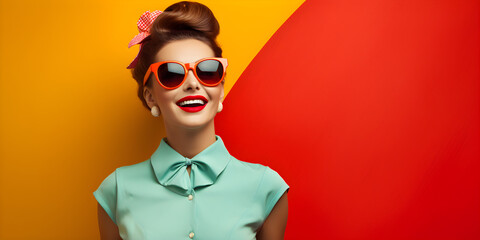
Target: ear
222,93
149,97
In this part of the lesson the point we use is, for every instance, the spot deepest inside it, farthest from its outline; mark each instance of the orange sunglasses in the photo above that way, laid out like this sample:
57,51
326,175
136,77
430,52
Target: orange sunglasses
172,74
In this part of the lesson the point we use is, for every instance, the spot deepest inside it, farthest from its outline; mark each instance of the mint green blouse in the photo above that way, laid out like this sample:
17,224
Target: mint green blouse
222,198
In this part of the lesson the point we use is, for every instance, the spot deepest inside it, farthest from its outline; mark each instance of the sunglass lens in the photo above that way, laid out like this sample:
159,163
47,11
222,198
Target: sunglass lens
210,71
171,74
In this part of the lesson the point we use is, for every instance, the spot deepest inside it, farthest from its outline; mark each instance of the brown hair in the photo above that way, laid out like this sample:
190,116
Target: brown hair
182,20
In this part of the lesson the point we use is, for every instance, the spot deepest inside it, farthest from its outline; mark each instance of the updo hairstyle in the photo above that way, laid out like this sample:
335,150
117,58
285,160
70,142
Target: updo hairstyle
182,20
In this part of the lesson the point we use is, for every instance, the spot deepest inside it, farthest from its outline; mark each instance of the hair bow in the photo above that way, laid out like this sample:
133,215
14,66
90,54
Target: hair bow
144,24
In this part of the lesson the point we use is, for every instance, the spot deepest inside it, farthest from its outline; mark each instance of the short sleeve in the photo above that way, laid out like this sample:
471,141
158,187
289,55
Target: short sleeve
273,186
106,195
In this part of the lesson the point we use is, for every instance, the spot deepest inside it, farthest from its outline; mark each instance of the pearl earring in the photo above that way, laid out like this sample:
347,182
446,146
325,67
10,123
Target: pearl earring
155,111
220,107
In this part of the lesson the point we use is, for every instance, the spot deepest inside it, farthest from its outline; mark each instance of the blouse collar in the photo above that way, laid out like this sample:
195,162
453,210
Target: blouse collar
170,167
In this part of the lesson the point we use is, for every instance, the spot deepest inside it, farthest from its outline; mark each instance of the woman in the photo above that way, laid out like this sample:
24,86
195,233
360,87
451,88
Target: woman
191,187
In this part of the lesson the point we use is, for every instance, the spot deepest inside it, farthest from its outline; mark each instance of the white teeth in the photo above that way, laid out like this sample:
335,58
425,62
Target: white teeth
195,101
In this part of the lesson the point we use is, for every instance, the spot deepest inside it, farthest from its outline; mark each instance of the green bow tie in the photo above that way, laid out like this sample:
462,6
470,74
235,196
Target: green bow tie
171,168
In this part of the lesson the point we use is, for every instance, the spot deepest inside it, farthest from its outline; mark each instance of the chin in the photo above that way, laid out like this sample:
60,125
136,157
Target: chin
192,120
195,123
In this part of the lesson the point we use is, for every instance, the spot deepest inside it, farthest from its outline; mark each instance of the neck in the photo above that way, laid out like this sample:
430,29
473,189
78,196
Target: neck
190,142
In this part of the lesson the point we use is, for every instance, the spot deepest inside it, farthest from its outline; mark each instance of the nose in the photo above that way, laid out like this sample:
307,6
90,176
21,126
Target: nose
191,82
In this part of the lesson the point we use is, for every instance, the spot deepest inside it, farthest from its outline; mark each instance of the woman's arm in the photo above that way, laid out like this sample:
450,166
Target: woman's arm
108,229
274,226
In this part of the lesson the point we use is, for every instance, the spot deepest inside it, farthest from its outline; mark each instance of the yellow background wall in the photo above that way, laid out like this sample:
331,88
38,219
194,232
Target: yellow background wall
69,114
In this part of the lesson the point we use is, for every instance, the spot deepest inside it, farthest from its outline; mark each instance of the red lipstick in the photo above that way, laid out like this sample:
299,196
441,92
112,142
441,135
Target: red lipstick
194,103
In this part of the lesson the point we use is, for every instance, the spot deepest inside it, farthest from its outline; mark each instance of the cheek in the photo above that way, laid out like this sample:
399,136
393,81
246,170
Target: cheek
215,93
164,97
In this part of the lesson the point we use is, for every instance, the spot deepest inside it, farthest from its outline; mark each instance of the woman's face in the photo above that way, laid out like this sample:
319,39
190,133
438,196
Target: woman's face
186,51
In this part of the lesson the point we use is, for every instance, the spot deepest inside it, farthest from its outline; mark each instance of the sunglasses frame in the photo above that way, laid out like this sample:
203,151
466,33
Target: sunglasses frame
186,66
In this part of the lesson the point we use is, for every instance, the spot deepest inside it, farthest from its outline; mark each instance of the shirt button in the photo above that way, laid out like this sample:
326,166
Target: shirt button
191,235
190,197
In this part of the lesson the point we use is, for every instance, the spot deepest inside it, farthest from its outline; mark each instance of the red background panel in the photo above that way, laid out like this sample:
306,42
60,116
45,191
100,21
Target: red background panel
370,112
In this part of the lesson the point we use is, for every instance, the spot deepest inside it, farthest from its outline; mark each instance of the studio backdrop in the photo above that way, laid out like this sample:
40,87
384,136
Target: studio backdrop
368,109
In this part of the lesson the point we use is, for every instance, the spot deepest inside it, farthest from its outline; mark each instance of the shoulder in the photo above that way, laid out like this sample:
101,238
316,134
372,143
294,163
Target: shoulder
108,193
247,166
242,168
269,184
255,168
268,180
135,169
135,175
111,183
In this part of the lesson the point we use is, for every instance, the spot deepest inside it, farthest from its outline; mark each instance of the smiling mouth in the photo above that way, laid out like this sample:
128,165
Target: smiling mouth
192,103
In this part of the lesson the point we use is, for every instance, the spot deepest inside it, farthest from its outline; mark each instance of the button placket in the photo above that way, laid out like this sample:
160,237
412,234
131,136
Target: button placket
190,196
190,192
